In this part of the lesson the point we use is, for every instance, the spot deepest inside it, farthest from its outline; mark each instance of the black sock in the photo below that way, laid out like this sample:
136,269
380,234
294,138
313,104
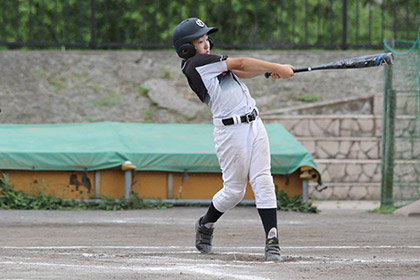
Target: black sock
212,215
268,218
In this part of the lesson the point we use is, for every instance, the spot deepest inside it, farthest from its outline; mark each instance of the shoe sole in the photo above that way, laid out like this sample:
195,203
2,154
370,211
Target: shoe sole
273,259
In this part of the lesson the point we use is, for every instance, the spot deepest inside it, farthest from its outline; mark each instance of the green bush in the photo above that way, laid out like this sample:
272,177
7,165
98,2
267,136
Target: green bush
296,204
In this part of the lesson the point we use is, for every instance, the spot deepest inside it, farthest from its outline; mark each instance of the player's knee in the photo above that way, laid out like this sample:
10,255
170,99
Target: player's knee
264,181
263,187
235,195
228,198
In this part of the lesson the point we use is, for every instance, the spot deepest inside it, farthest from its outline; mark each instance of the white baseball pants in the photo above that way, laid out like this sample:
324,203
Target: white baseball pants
243,152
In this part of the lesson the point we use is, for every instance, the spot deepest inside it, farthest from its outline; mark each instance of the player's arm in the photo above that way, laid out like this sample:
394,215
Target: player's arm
245,67
247,74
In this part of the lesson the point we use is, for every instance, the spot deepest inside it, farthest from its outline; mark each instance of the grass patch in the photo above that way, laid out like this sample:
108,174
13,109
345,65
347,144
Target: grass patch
167,74
384,210
109,102
149,117
6,91
106,102
189,117
81,75
143,91
58,83
307,99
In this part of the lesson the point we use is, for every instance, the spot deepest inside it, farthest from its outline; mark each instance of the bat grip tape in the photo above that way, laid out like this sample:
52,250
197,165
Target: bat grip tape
268,74
379,60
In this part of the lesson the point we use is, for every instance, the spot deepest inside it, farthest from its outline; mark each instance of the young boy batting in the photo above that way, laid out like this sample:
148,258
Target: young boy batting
240,138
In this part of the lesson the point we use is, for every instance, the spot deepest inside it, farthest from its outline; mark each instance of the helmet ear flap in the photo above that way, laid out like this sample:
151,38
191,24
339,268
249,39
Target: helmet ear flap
186,51
211,41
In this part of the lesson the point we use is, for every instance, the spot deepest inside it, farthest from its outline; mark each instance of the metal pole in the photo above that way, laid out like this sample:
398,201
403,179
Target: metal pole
128,167
98,183
127,175
305,191
344,24
195,202
92,43
170,185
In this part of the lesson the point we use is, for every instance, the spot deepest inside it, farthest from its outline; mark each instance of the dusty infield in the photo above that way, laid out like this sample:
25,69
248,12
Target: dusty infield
159,244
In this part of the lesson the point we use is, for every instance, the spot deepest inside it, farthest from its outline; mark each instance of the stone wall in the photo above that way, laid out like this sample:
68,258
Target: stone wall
346,149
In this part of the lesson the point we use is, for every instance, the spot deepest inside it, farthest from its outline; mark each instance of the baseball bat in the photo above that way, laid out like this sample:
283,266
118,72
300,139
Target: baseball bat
350,63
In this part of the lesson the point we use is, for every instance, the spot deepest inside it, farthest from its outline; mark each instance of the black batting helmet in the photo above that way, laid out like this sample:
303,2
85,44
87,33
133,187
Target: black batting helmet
188,30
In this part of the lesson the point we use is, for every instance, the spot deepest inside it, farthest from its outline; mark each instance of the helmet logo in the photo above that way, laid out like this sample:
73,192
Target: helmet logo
200,23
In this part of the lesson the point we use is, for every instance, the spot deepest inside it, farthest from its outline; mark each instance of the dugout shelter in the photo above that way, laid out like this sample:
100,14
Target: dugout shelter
175,162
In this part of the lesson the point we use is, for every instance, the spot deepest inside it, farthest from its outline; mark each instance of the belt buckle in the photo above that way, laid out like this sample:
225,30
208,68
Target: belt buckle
250,117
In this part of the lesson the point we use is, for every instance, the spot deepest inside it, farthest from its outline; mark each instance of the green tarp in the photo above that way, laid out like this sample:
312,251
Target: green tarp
151,147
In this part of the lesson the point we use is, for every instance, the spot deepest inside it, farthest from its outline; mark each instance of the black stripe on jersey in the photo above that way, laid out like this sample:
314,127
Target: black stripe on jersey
194,79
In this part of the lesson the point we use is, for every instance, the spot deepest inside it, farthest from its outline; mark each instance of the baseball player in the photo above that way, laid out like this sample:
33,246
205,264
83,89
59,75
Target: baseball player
241,140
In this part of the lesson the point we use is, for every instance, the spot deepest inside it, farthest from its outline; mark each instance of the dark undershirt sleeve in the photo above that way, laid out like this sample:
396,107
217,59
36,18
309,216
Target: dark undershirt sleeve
189,68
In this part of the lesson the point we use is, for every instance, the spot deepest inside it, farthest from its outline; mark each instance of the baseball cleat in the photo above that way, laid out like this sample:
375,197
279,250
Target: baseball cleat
272,250
203,237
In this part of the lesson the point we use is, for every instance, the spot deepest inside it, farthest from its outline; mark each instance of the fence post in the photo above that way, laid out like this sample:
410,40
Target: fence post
388,134
344,45
92,43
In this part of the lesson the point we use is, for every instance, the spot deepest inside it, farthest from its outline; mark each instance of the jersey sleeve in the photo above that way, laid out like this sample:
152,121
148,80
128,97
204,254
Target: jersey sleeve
201,70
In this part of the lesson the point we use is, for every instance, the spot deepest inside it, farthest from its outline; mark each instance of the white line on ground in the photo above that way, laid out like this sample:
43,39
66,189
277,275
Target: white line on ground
195,268
218,248
190,269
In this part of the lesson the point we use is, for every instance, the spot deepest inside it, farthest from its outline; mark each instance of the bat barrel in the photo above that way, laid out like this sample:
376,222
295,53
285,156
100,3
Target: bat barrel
387,58
356,62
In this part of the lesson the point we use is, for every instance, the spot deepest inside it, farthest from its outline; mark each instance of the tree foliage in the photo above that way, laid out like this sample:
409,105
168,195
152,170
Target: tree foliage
243,23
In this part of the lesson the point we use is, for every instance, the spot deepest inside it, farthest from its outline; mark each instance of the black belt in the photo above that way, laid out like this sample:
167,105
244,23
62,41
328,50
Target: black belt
250,117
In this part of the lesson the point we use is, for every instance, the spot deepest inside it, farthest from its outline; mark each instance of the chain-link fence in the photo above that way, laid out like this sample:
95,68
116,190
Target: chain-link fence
401,125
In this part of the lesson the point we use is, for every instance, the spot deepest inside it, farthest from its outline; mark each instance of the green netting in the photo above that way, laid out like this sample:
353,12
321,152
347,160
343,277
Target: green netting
401,125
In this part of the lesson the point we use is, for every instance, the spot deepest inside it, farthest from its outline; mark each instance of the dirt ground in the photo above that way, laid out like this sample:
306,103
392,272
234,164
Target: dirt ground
338,243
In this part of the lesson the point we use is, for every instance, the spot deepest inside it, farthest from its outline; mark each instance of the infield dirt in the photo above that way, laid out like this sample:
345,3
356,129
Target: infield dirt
338,243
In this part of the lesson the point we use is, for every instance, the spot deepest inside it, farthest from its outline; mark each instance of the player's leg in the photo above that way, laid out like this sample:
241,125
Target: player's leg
269,220
204,229
263,186
231,150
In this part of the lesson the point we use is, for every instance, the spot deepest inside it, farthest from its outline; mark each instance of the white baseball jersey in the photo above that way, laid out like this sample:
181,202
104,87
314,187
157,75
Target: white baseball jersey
243,148
224,93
